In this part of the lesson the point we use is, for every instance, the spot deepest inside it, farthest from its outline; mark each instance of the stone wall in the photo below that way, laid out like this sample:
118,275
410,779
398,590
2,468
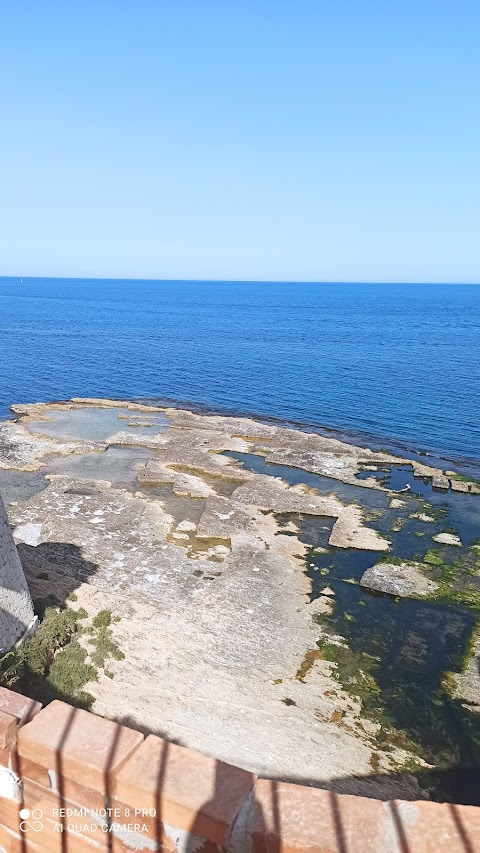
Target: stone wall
16,608
71,782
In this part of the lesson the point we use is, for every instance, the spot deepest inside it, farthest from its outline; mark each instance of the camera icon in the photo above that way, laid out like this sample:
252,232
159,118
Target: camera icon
31,820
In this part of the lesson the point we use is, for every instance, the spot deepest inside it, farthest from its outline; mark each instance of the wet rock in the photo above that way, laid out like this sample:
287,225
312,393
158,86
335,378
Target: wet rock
100,401
399,580
447,539
459,486
396,503
316,453
422,516
320,606
271,493
350,532
467,683
183,484
439,481
24,451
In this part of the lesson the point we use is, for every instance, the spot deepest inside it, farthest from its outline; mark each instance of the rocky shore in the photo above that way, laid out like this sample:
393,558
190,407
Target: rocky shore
198,560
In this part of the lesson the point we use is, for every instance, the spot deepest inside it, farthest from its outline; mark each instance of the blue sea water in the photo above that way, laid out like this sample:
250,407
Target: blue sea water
397,365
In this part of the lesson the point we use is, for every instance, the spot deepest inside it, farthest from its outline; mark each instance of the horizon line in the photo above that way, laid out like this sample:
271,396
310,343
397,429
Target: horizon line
239,280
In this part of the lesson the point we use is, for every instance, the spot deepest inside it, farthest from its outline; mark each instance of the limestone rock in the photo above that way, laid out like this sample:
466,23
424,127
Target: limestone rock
447,539
402,580
439,481
349,532
459,486
271,493
186,526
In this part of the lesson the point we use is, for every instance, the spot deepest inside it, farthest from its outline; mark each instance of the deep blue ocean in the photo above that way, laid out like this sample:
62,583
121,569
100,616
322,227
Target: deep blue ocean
395,365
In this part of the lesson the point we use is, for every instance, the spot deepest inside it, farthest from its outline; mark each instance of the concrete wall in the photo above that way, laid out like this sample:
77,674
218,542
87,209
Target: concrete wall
16,608
71,782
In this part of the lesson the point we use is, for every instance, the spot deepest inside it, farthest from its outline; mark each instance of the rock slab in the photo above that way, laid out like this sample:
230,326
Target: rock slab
402,580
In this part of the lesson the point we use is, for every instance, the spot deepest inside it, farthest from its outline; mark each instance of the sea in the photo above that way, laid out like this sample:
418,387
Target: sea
388,365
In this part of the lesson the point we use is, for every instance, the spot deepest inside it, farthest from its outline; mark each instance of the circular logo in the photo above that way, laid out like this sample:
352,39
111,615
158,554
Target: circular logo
30,820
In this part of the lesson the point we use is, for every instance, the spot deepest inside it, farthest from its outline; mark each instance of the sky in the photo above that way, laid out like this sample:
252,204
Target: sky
240,139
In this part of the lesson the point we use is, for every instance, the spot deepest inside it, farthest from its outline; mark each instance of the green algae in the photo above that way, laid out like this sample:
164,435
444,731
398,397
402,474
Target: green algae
356,673
463,478
458,581
433,557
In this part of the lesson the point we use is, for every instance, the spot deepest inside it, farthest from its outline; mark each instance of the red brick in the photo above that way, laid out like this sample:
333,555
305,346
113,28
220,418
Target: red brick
79,837
15,842
50,839
21,707
9,813
426,827
154,830
77,745
81,795
27,769
8,729
30,771
35,796
295,819
119,846
5,756
53,800
189,791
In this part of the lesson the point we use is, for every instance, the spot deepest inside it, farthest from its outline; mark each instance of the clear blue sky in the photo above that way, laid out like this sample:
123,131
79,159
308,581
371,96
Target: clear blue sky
243,139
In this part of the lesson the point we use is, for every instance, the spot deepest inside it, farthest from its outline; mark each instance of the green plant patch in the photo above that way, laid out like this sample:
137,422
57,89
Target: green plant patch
103,619
52,664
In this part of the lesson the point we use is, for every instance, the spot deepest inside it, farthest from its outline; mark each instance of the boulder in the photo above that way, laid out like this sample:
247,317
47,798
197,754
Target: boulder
459,486
440,482
402,580
447,539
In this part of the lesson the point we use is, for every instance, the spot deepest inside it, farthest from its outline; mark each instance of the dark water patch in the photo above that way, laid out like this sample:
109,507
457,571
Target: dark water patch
458,511
313,530
399,478
405,647
337,564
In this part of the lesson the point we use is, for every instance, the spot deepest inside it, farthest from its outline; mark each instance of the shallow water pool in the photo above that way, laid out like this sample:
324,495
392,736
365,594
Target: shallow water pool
97,424
20,485
118,465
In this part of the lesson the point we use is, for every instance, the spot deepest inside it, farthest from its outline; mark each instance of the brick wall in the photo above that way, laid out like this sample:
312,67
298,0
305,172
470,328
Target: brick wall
71,782
16,608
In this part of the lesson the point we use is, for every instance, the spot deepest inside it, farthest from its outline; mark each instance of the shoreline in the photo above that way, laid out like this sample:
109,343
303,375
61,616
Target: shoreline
466,465
356,438
225,509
